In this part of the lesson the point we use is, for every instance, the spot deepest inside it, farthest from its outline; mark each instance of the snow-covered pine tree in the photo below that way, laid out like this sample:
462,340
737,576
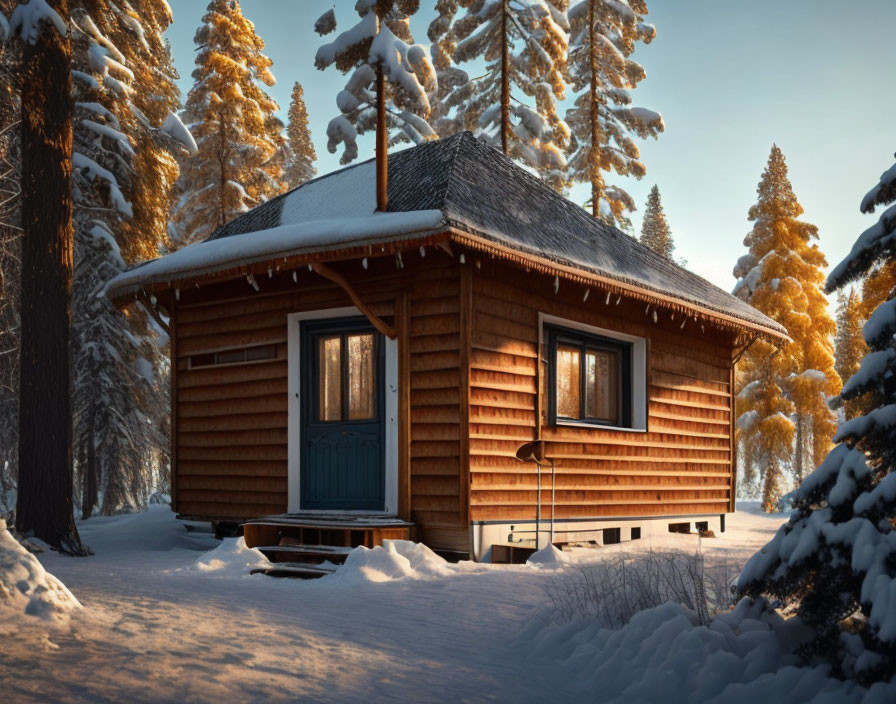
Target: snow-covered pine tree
782,277
300,165
834,562
523,44
44,501
849,346
239,161
124,172
381,40
453,86
655,231
603,36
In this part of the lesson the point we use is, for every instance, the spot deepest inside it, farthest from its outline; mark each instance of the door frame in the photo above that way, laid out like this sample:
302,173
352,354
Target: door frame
294,431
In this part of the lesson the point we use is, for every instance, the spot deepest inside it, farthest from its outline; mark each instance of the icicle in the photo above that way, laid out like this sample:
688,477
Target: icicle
463,259
672,316
680,327
654,316
607,302
618,300
177,294
270,273
702,329
152,299
422,251
295,277
310,267
647,309
478,264
364,263
252,282
585,297
399,262
556,284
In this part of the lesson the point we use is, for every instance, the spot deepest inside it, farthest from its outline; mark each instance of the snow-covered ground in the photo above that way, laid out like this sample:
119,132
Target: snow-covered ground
174,616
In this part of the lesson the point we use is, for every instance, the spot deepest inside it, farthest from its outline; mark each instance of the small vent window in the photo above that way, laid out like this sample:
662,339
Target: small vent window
241,355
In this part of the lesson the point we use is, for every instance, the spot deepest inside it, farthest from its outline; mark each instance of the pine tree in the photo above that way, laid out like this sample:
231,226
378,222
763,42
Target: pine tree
302,156
781,276
849,346
239,161
603,36
524,45
379,44
44,502
834,562
655,232
454,89
124,172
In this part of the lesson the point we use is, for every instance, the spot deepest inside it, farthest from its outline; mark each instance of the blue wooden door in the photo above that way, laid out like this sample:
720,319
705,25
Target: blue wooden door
342,464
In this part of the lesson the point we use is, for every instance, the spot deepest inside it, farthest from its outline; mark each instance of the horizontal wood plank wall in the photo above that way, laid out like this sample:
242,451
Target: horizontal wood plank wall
681,466
435,408
232,419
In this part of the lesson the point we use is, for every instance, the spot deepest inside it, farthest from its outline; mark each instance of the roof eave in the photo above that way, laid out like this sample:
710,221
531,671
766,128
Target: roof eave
126,294
618,286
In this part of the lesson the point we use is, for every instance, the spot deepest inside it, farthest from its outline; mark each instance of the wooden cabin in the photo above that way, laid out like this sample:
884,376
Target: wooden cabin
331,362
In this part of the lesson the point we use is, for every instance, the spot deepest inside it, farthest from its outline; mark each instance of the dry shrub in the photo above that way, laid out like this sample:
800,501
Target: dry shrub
616,588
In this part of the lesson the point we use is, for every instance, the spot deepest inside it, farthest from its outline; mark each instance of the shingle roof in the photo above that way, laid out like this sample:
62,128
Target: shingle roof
480,191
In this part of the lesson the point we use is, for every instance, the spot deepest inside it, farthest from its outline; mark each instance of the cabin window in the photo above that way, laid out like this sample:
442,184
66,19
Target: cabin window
257,353
590,378
346,377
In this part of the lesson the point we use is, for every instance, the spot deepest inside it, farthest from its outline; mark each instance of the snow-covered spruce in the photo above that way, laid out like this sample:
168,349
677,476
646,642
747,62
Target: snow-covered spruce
535,33
602,120
834,563
125,140
454,89
380,40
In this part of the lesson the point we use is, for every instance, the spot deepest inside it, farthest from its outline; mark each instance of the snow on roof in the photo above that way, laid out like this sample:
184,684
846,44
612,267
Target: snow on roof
221,254
474,188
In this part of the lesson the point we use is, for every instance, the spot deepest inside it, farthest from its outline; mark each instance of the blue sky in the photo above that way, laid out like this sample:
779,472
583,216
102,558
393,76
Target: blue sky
730,78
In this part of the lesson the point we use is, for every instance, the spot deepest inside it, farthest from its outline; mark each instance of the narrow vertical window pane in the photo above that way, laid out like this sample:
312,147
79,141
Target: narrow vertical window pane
361,372
568,360
601,390
330,379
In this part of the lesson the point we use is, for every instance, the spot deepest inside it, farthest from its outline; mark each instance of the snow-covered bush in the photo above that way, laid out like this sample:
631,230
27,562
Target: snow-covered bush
833,564
613,590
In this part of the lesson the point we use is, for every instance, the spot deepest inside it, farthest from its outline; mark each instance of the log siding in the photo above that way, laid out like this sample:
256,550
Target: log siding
681,465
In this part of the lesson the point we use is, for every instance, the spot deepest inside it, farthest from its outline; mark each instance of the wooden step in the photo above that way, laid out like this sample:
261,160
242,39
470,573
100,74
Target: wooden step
296,569
304,553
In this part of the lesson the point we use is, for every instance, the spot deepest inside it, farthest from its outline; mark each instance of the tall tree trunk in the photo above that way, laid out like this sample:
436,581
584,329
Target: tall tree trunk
505,80
44,504
596,178
799,456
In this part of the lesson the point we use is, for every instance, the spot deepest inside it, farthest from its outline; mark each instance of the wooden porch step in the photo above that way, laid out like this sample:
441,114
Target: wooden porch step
304,553
296,569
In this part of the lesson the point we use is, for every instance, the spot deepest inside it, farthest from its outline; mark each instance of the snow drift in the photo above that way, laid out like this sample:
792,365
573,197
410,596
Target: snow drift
663,654
395,559
26,587
231,559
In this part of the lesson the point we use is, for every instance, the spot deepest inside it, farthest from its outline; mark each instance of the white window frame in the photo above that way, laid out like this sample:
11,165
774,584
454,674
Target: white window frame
294,439
639,371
